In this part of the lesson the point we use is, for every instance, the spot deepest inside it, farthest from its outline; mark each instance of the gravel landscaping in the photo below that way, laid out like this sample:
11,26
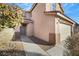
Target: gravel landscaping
11,49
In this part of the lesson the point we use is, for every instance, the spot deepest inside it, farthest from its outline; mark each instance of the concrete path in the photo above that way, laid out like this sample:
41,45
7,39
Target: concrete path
58,50
31,48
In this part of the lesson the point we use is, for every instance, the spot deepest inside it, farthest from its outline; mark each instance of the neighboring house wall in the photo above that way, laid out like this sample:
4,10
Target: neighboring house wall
29,29
29,26
44,25
76,28
27,16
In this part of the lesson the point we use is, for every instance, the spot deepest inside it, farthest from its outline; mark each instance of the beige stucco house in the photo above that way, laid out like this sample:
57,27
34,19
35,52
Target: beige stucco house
48,22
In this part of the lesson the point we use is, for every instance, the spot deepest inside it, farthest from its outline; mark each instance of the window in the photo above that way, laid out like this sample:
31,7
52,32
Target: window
53,6
50,6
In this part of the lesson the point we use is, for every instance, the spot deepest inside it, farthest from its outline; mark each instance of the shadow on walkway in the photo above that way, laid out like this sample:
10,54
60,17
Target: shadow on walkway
43,44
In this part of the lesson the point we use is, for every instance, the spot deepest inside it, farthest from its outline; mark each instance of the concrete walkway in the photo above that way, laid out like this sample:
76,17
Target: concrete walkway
58,50
33,49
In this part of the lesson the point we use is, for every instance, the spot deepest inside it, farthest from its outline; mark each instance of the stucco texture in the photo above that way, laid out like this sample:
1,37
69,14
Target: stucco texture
43,24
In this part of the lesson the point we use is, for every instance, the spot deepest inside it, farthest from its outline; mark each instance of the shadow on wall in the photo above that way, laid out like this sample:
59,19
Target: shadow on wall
23,30
16,36
18,33
38,41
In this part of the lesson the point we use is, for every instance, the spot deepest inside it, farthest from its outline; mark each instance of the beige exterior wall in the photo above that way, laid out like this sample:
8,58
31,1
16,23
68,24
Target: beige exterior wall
43,24
65,31
27,15
29,29
57,28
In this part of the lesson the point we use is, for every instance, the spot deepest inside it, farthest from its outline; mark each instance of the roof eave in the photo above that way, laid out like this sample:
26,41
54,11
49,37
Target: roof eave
65,17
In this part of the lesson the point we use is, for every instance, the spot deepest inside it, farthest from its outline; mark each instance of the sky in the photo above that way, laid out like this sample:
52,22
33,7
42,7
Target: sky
70,9
25,6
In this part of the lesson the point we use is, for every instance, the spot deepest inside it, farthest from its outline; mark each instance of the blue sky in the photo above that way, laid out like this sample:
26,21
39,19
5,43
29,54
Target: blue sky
25,6
71,10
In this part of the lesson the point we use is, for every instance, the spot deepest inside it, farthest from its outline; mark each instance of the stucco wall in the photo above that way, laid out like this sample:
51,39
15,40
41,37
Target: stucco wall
57,30
29,29
76,28
43,24
27,15
57,27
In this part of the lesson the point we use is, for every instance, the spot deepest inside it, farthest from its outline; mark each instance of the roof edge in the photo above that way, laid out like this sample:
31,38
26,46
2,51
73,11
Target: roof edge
61,7
65,17
33,6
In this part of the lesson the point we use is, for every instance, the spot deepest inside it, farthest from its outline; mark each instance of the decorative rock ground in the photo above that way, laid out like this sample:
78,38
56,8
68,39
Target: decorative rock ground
11,48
